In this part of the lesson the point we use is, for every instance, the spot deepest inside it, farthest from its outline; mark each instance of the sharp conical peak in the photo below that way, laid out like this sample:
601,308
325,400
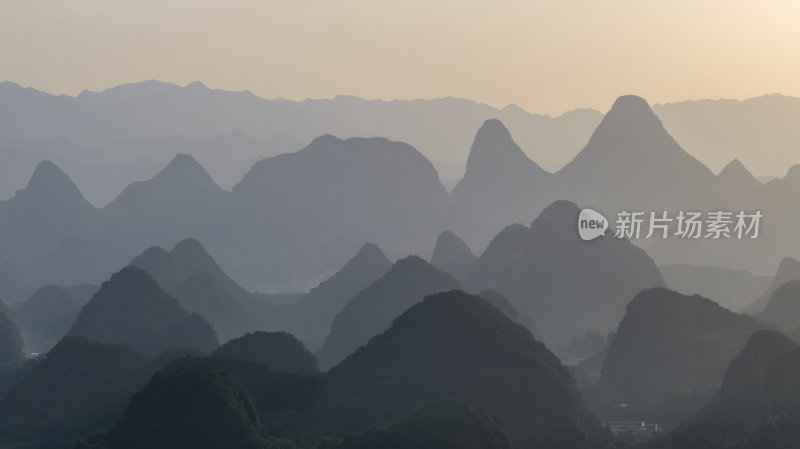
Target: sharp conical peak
369,251
493,144
184,163
449,242
736,170
629,112
48,180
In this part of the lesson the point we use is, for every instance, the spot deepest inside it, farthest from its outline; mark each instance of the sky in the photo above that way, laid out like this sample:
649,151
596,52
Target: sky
546,56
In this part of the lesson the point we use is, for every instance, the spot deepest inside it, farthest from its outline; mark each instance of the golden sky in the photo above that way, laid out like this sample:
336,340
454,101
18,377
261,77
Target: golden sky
546,56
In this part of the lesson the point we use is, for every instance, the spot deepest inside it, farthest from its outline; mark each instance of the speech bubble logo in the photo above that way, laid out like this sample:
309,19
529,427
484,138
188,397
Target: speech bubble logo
591,224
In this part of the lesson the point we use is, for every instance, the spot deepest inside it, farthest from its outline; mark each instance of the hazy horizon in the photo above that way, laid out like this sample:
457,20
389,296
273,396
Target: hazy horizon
565,56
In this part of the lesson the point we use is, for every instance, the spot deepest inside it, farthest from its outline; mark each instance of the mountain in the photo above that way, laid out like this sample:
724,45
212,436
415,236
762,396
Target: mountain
501,184
741,413
372,310
788,270
10,342
670,352
194,278
328,196
736,181
132,309
631,148
732,289
452,255
568,286
45,317
458,346
49,213
311,318
195,406
443,424
78,387
714,131
281,352
783,309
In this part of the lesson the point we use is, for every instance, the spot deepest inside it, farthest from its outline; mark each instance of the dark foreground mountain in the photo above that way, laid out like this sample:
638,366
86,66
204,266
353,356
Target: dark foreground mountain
311,318
372,310
457,346
670,353
747,412
281,352
131,309
567,285
192,407
78,387
788,270
46,316
783,308
453,256
445,424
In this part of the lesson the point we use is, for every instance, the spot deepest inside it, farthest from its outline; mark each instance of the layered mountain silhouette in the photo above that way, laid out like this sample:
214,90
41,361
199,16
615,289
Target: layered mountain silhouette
311,318
670,352
746,413
458,346
46,316
131,309
501,184
452,255
732,289
788,270
783,308
329,194
568,286
281,352
631,162
372,310
200,285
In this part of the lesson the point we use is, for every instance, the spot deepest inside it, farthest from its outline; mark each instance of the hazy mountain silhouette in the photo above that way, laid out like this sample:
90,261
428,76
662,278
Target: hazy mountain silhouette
501,184
131,309
200,285
735,181
631,161
12,285
311,318
732,289
194,406
49,213
281,352
783,308
445,424
441,128
10,341
46,316
742,414
372,310
458,346
788,270
78,387
714,131
568,286
452,255
327,195
670,351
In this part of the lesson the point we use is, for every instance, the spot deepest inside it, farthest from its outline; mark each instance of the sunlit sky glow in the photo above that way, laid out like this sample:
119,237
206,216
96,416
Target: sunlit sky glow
546,56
